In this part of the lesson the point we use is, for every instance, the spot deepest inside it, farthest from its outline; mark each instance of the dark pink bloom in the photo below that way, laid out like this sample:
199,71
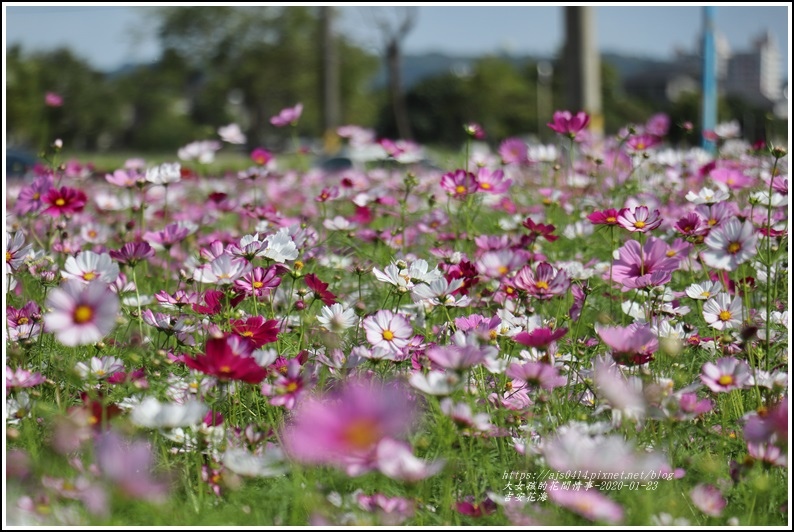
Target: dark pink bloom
261,156
469,507
259,282
605,217
221,361
543,230
320,289
632,345
537,374
132,253
474,130
64,200
692,225
564,123
256,330
541,337
643,142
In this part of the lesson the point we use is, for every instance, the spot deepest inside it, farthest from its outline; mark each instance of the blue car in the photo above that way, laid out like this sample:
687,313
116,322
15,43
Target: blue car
19,164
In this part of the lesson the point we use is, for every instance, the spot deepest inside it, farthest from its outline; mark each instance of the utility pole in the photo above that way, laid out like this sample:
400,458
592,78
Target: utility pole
582,63
709,75
330,62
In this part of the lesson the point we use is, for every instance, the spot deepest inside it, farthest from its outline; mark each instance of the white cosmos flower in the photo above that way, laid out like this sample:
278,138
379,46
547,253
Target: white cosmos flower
99,368
435,382
336,318
280,247
153,414
704,290
707,196
232,134
723,313
164,174
87,266
730,244
270,463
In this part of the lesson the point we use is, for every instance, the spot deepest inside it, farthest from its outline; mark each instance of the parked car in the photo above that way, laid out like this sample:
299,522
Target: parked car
19,164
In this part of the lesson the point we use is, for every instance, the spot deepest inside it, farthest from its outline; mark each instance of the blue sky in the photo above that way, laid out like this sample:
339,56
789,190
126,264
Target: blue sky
109,36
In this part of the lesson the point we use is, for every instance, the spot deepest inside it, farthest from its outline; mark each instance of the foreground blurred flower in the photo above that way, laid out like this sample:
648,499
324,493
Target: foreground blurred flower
727,374
344,427
708,499
81,314
589,504
395,460
153,414
201,150
22,378
164,174
268,463
630,345
53,99
128,465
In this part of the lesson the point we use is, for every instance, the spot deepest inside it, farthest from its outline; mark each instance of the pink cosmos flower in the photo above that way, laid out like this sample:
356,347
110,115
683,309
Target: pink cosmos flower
391,511
288,387
572,126
708,499
16,250
31,197
590,504
544,282
22,378
541,337
459,183
513,151
639,219
768,424
395,460
388,331
733,178
132,253
53,99
261,156
605,217
256,330
630,345
727,374
81,314
287,116
492,182
538,374
658,124
259,282
64,200
635,262
729,245
128,465
344,427
642,142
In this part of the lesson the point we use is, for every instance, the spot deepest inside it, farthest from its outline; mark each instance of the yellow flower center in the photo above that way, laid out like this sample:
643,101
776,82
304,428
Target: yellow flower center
291,387
8,256
257,284
388,335
486,186
734,247
712,222
725,315
36,196
89,276
460,189
542,284
502,270
83,313
492,334
725,380
225,369
361,434
22,321
671,253
248,334
639,224
60,202
611,219
298,265
706,294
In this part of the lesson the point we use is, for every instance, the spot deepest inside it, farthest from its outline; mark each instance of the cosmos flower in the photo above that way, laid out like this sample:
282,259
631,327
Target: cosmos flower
287,116
220,360
513,151
459,183
726,374
544,282
16,250
570,125
722,312
730,245
64,200
630,345
164,174
708,499
639,219
590,504
231,134
336,318
81,314
389,331
320,289
88,266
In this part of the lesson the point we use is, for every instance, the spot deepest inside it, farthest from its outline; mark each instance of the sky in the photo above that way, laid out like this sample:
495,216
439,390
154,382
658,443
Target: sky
110,36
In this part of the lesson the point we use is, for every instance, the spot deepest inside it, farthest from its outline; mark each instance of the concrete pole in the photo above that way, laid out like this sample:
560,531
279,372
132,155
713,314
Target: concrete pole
582,63
709,74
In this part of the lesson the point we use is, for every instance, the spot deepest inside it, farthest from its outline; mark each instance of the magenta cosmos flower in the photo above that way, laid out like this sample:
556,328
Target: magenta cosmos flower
81,314
53,99
544,282
344,427
389,331
514,151
459,183
287,116
222,361
564,123
727,374
64,200
630,345
492,182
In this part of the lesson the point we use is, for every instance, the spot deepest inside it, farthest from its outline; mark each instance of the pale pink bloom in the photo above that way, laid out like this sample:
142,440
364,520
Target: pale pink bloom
53,99
22,378
708,499
544,282
624,394
389,331
630,345
88,266
462,415
395,460
128,466
639,219
223,270
391,511
81,314
590,504
727,374
231,134
16,250
287,116
201,150
492,181
99,367
537,374
164,174
730,244
722,312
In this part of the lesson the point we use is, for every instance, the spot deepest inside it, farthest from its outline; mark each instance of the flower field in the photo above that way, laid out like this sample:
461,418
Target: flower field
592,332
